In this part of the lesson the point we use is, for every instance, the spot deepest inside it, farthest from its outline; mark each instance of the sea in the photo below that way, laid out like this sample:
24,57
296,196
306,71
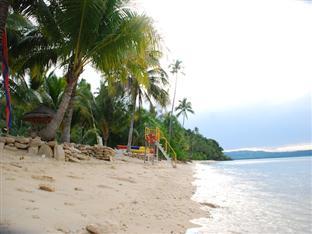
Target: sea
267,196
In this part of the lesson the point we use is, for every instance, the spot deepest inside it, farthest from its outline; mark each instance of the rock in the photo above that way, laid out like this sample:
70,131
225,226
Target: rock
81,157
2,139
1,145
36,142
22,140
33,150
52,143
45,150
211,205
59,153
20,145
72,159
47,188
9,140
93,229
9,147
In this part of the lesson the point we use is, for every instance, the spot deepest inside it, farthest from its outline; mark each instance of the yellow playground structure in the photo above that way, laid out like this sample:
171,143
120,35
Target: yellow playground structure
155,141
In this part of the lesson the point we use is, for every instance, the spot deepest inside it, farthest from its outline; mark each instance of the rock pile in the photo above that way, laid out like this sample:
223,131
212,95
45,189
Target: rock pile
68,152
76,152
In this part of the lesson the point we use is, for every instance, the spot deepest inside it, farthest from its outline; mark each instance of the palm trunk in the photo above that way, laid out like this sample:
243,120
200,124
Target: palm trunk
171,113
105,132
183,120
68,118
131,124
4,7
49,132
105,137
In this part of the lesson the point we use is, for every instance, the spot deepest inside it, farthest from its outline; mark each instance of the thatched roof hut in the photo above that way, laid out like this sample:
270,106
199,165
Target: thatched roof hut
40,115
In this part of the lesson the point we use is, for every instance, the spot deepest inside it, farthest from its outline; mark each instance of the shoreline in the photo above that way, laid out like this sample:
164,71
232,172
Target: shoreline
123,196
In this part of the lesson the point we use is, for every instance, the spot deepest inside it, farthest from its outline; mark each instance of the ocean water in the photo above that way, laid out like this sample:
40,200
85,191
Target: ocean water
267,196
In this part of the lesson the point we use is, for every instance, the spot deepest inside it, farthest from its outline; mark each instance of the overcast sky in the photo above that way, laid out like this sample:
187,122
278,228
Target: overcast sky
241,57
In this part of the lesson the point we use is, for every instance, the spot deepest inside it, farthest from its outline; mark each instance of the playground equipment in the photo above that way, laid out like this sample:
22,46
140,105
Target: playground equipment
155,138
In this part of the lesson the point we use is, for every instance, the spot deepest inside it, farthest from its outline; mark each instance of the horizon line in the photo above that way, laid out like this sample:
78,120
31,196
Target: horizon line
285,148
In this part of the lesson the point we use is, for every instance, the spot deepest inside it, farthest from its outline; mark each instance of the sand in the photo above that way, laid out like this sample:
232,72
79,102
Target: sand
41,195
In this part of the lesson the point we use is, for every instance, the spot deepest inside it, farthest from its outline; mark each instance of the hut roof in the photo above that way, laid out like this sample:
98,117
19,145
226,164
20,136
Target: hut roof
41,114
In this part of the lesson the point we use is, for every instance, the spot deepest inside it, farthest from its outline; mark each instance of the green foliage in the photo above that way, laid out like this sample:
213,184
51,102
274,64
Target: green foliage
118,42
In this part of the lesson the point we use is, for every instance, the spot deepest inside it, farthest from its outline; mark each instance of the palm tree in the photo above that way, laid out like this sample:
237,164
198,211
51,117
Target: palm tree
94,32
19,6
152,90
81,111
184,107
176,68
110,111
51,90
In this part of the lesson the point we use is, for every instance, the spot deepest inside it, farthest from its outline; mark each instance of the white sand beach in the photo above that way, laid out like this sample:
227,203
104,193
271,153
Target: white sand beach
123,196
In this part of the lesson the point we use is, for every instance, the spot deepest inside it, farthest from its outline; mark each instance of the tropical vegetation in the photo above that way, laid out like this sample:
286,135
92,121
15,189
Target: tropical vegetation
48,36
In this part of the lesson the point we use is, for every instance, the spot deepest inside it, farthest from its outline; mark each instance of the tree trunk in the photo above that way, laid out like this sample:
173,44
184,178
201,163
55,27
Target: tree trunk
131,125
105,131
49,132
68,118
105,140
4,7
174,96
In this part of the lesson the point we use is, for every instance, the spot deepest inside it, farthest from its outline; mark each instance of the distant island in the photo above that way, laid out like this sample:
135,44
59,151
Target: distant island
249,154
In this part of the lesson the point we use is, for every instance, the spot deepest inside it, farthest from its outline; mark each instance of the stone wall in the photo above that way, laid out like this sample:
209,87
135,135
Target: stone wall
63,152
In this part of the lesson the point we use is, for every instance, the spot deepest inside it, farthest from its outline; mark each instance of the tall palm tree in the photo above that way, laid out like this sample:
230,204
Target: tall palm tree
146,83
184,107
81,111
94,32
176,68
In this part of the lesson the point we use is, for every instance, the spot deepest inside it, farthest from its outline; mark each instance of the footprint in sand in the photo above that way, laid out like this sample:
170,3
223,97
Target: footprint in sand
9,178
35,217
24,190
75,177
129,179
43,178
69,204
104,186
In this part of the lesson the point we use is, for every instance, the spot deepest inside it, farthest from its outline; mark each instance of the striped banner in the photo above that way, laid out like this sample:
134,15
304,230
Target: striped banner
5,73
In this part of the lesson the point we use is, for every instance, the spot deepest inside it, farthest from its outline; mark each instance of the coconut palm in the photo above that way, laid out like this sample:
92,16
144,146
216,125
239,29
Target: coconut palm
153,90
19,6
94,32
183,108
110,111
82,112
176,68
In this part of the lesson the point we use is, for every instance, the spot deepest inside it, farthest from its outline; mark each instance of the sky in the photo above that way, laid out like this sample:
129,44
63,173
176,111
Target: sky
247,65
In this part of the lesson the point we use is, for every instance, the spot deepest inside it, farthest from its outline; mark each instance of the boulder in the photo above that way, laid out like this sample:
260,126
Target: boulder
45,150
22,140
9,140
36,142
33,150
20,145
59,153
52,143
